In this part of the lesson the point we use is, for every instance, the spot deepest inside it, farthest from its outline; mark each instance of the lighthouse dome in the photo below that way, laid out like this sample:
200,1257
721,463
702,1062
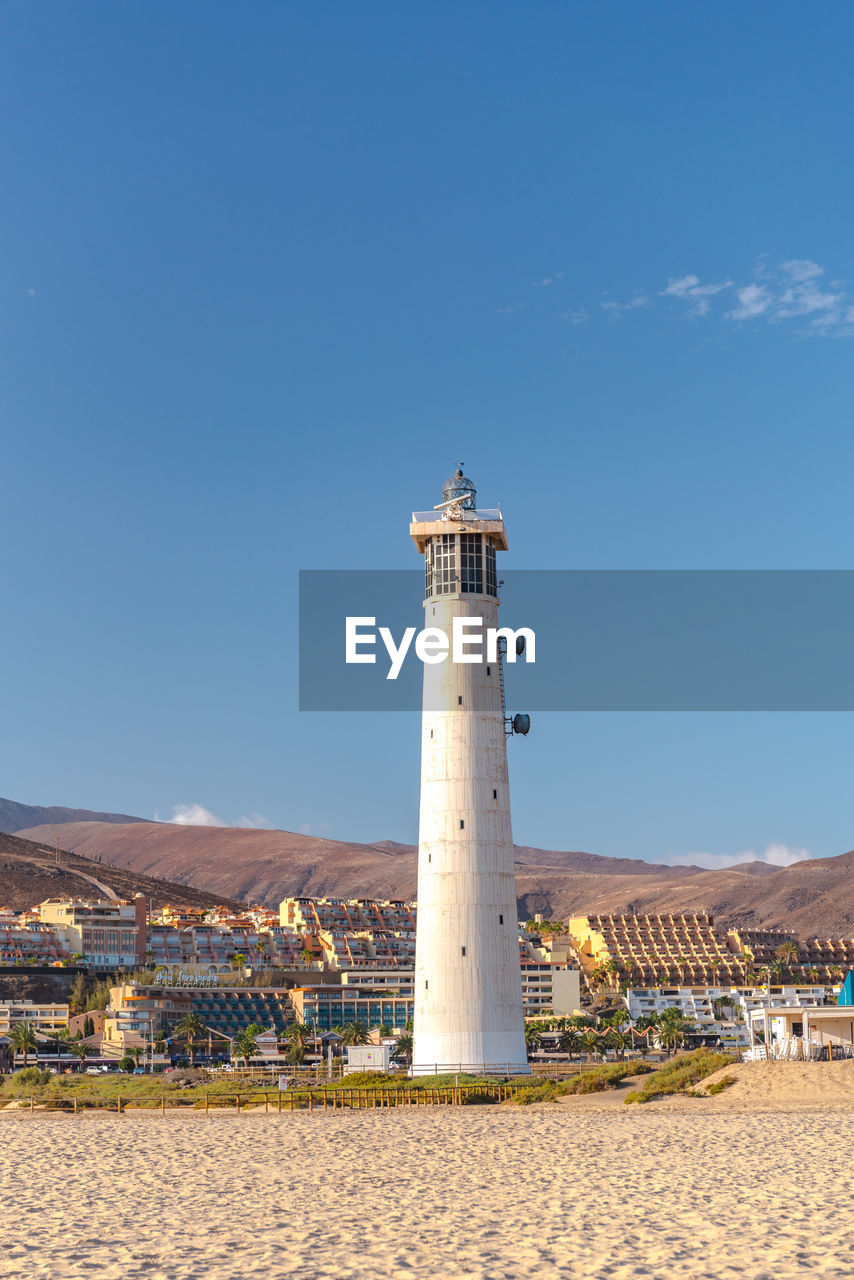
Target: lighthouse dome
461,488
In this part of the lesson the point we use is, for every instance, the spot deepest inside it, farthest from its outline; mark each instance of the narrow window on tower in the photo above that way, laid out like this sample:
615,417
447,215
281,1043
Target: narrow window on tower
489,671
426,983
429,857
462,824
500,919
464,950
431,733
494,792
459,699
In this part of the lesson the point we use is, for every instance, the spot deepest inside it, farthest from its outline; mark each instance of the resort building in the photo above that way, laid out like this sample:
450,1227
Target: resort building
654,950
109,935
303,915
24,941
46,1018
818,959
551,980
328,1007
718,1013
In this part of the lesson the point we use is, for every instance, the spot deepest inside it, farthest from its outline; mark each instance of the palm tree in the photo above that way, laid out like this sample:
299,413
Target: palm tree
673,1027
569,1042
591,1042
619,1017
306,955
191,1028
245,1044
238,960
789,953
385,1031
22,1038
719,1006
81,1050
620,1041
298,1035
402,1051
355,1033
532,1038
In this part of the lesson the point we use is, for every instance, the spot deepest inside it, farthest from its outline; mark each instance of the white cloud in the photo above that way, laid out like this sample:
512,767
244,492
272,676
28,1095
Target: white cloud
544,284
804,299
617,308
254,821
801,269
690,289
753,300
194,815
776,855
575,317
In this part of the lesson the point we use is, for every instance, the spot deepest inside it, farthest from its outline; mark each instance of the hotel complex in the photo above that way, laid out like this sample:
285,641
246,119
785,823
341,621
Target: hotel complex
327,962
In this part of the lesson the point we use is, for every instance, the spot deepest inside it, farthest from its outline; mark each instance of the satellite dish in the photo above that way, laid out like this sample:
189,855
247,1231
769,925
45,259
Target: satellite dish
521,722
520,645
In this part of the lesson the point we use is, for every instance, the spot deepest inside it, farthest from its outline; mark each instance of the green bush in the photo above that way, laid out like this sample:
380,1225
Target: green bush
126,1063
596,1081
720,1085
31,1075
679,1075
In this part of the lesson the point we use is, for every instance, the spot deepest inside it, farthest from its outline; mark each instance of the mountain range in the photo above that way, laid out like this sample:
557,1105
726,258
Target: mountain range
813,897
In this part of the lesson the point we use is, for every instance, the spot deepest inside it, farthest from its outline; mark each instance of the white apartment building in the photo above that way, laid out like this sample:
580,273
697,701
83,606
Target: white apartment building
697,1004
45,1017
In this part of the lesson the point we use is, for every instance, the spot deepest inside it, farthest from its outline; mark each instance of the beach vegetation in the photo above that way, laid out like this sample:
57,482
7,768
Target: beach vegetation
718,1086
595,1081
31,1076
681,1074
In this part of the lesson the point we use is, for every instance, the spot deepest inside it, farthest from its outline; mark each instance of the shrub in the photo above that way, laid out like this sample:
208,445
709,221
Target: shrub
720,1085
126,1063
678,1076
31,1075
596,1081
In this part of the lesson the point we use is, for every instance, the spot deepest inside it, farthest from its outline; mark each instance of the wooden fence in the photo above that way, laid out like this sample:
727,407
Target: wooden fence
287,1100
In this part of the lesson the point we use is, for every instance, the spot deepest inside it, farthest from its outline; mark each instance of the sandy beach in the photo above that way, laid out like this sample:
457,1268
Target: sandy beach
743,1184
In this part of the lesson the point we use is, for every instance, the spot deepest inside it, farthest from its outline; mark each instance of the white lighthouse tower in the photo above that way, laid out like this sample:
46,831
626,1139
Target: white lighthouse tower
468,985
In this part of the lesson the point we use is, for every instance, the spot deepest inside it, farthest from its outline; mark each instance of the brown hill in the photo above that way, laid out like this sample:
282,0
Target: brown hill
811,897
14,816
31,872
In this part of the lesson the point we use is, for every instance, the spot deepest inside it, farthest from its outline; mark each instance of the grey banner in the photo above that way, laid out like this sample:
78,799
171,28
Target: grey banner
633,640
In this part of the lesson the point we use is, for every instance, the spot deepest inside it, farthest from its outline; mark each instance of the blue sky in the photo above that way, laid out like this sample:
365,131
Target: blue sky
269,271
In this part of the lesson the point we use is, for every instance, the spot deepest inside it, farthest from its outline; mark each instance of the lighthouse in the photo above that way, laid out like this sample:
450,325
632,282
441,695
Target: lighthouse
468,984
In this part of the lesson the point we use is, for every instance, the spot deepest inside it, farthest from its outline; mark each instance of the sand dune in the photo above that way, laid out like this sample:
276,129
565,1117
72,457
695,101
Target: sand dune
699,1189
